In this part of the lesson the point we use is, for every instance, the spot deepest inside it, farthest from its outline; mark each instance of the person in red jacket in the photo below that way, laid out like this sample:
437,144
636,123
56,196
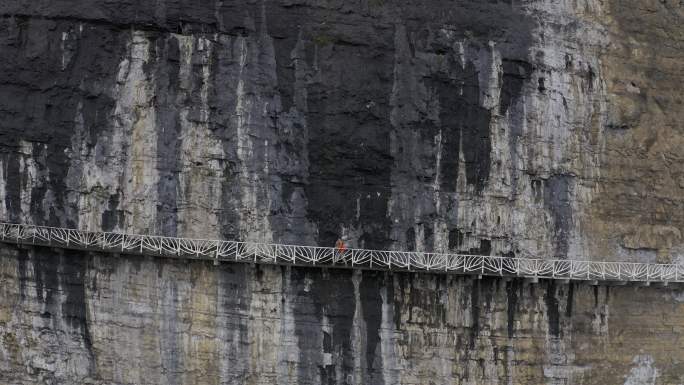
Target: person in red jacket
340,248
340,245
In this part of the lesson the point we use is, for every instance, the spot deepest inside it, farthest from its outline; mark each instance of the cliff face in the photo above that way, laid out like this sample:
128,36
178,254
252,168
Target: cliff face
99,319
537,128
528,128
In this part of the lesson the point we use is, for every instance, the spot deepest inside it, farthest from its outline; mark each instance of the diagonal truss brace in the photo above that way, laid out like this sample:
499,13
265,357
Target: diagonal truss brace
268,253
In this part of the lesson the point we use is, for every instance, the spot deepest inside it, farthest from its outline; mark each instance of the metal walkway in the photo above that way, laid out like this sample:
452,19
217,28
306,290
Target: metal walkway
231,251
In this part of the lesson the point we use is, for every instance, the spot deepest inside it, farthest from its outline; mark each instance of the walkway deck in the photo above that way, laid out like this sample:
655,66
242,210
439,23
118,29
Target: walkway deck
232,251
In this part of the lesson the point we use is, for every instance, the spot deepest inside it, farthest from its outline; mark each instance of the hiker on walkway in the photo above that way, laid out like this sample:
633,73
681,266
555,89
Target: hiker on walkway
340,248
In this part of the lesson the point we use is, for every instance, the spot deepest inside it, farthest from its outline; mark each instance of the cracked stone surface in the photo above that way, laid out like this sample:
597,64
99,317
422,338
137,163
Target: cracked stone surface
90,318
543,128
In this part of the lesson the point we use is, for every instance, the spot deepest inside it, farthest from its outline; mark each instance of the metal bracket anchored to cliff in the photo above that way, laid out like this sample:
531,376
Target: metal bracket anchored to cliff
265,253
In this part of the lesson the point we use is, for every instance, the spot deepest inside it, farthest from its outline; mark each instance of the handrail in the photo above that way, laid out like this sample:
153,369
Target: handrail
271,253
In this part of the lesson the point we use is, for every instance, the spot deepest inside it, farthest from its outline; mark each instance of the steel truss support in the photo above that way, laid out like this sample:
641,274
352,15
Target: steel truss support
267,253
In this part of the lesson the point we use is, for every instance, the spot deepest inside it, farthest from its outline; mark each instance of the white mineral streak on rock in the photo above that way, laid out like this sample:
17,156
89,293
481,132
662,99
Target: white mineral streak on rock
390,366
567,117
478,213
482,215
200,343
263,335
500,174
254,218
644,371
288,349
231,323
358,334
3,191
564,120
68,48
28,175
561,114
201,152
440,229
135,316
135,119
35,175
57,352
65,60
122,165
510,365
87,191
79,196
419,231
489,59
438,166
462,185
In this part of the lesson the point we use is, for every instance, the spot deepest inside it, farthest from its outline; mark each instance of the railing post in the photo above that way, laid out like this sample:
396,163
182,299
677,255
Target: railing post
588,269
516,267
619,277
603,272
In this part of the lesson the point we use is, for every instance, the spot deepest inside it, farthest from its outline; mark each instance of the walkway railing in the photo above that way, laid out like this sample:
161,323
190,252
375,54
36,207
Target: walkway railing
232,251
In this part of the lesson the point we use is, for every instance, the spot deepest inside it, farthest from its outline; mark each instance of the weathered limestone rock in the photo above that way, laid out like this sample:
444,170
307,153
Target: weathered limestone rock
534,128
528,128
98,319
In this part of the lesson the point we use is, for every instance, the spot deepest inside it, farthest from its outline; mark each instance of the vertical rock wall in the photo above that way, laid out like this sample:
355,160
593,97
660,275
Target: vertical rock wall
528,128
534,128
89,318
